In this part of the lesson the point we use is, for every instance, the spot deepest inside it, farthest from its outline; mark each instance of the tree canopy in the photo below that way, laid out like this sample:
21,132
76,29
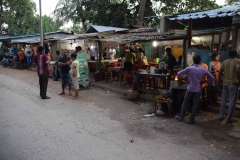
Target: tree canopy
82,13
230,2
19,17
122,13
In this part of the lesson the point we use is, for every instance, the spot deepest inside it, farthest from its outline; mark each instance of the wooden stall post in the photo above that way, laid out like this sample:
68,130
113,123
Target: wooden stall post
3,49
212,44
100,55
189,32
235,38
184,53
219,42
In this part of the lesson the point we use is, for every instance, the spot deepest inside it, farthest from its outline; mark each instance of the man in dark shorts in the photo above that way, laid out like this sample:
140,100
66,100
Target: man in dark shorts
64,63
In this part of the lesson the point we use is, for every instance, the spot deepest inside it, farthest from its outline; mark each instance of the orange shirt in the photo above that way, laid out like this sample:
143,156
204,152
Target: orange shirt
21,55
203,65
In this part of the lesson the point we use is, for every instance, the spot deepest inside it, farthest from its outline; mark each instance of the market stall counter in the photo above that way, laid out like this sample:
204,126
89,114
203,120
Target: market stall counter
154,75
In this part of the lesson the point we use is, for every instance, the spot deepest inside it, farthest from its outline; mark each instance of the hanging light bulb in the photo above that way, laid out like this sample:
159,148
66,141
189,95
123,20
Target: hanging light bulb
154,44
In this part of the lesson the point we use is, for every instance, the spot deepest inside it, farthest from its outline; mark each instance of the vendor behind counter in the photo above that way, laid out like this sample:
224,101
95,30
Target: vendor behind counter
170,60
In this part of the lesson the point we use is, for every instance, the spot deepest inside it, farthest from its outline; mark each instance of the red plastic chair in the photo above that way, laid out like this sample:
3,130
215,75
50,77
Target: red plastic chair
145,67
130,75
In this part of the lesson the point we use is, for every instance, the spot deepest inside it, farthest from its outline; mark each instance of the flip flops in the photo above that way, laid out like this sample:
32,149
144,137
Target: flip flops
46,97
74,98
61,93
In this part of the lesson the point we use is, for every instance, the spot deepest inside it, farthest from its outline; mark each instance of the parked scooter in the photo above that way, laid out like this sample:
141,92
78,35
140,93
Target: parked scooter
10,62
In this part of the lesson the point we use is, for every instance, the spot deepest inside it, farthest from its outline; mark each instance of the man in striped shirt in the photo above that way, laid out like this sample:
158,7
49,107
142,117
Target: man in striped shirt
41,60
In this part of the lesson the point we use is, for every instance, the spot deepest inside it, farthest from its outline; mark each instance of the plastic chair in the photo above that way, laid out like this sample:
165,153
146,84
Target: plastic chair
130,75
144,67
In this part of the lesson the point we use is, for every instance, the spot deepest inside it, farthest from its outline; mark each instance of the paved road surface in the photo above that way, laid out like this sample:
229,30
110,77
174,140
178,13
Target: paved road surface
96,127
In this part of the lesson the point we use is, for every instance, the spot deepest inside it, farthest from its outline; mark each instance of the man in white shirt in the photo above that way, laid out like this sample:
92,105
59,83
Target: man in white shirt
92,54
112,53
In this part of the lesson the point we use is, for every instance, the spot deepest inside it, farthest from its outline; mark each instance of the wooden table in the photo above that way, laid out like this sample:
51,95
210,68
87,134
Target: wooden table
144,74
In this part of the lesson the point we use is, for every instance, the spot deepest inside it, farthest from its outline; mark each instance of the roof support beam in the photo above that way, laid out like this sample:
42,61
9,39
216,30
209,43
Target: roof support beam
189,32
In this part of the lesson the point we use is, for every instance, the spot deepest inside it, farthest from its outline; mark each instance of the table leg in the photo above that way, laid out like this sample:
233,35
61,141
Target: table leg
166,83
119,76
145,83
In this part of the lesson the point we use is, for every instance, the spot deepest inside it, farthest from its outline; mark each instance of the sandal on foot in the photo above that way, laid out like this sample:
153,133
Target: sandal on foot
61,93
70,94
46,97
74,98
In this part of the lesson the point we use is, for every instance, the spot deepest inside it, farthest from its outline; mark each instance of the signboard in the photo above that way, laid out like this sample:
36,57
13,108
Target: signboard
204,54
84,79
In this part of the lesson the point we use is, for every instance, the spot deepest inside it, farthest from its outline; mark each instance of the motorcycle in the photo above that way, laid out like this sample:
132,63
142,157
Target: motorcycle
10,62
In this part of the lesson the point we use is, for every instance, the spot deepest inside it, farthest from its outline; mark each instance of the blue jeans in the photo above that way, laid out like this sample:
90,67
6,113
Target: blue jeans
57,70
195,96
230,91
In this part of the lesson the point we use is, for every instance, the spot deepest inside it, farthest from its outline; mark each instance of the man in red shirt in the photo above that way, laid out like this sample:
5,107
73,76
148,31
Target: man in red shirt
41,60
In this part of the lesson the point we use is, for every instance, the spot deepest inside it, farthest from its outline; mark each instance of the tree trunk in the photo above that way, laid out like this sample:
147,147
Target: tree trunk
124,12
141,12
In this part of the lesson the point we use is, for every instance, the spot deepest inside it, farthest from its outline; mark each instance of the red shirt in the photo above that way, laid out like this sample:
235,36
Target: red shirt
41,60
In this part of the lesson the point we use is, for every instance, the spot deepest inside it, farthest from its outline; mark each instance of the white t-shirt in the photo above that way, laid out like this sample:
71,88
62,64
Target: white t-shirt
112,53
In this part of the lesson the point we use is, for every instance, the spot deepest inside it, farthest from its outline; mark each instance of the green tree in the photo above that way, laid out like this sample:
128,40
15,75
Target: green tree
117,13
73,10
19,17
230,2
50,24
179,6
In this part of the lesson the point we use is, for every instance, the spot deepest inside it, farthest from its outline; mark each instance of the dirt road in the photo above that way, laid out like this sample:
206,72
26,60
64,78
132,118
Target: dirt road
99,126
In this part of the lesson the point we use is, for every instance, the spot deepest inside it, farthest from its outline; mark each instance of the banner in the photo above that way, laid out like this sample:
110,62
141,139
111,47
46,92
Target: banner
84,79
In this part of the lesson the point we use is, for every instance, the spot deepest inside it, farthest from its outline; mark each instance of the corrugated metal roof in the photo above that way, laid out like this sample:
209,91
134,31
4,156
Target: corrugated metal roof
33,35
220,12
147,36
106,28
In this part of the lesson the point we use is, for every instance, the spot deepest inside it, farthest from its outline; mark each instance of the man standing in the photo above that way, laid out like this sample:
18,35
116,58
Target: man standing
171,60
41,60
64,63
92,54
230,74
76,50
80,51
57,69
195,75
75,74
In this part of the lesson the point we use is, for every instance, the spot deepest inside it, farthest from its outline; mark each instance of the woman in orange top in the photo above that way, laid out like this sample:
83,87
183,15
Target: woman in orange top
204,89
21,58
214,66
